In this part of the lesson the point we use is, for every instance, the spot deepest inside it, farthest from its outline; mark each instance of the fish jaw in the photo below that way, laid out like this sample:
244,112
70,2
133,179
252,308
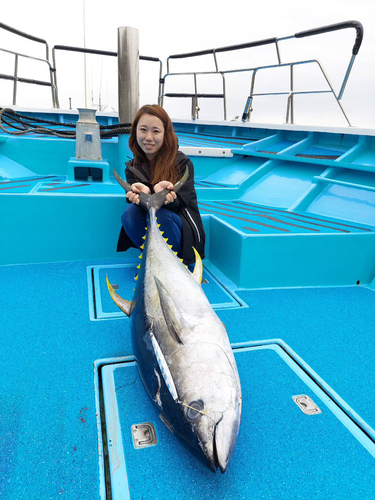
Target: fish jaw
226,433
217,436
212,409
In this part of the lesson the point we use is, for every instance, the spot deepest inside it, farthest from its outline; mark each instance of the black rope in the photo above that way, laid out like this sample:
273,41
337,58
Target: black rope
15,123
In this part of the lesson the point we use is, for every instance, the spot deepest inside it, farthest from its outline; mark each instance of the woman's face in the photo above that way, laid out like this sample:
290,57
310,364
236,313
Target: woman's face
150,135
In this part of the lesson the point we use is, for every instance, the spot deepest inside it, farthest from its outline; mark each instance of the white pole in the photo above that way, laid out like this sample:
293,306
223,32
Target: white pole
84,55
128,73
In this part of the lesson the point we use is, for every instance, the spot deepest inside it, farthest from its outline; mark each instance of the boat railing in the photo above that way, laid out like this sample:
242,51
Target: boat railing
15,78
52,66
254,70
102,53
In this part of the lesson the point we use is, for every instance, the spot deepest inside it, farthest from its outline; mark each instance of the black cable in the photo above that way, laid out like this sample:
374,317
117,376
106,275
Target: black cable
19,124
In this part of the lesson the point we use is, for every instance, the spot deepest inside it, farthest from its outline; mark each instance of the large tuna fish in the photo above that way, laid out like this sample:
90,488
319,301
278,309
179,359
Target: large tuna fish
181,346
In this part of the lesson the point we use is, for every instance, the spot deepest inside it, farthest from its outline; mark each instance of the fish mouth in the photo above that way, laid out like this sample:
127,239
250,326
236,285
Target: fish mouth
215,464
214,458
217,461
223,444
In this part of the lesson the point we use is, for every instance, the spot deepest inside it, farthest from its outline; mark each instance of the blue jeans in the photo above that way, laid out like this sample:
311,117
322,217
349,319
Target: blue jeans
134,221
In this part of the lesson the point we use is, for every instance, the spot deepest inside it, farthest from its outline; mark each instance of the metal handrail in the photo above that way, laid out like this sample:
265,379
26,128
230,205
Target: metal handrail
15,78
84,50
52,67
26,35
290,102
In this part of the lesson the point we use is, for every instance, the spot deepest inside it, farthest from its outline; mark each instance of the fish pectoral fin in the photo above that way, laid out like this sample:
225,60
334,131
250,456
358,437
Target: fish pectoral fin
124,305
172,315
198,268
166,423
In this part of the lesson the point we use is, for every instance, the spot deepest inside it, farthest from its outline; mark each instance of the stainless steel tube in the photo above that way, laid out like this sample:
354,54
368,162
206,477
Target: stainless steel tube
128,73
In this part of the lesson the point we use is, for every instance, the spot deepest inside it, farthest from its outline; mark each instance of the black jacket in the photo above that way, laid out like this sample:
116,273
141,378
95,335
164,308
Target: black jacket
185,206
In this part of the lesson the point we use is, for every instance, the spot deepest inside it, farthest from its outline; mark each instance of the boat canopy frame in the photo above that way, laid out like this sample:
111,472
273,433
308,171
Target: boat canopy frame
249,101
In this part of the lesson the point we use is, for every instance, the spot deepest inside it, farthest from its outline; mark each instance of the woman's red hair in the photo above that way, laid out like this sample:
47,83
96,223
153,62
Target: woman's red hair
163,168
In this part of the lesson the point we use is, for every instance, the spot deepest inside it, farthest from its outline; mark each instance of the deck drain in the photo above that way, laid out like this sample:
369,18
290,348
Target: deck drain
307,405
144,435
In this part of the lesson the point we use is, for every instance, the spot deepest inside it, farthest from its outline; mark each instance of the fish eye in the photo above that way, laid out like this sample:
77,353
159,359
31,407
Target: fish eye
195,407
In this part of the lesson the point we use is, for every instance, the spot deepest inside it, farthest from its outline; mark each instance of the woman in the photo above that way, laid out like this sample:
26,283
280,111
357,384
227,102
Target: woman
158,165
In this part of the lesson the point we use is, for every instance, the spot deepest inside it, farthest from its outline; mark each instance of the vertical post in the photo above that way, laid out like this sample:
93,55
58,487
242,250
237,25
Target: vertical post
249,103
84,55
15,81
128,73
194,101
291,95
54,72
128,86
160,83
344,82
224,97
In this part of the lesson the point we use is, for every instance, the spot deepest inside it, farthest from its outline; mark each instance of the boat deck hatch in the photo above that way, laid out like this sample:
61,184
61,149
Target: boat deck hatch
121,276
267,462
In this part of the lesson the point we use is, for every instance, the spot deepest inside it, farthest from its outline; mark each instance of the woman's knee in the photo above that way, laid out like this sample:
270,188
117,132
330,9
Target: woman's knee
133,216
167,217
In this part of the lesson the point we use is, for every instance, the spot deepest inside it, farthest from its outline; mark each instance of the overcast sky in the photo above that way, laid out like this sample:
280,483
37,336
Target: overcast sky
171,27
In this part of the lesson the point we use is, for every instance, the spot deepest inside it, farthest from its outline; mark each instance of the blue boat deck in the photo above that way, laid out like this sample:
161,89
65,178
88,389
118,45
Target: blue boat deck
49,429
290,224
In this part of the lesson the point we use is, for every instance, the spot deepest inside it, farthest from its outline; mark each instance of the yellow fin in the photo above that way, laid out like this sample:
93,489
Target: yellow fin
140,256
142,246
124,305
198,268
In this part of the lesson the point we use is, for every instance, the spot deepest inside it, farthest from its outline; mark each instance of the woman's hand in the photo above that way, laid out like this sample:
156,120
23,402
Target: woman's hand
137,188
171,196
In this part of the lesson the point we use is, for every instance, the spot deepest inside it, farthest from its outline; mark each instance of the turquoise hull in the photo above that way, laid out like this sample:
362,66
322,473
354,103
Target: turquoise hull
289,215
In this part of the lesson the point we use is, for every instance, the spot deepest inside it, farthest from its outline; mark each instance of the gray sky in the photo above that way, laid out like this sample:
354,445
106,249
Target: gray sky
166,27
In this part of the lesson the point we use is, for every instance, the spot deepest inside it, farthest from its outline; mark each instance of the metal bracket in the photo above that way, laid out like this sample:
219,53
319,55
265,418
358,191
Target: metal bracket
144,435
307,405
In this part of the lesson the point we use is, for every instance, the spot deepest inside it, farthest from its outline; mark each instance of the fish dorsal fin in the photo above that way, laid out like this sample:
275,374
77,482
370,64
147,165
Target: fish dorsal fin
198,268
124,305
171,313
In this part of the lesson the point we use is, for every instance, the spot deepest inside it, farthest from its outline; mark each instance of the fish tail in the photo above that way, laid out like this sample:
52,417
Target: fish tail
156,200
153,201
